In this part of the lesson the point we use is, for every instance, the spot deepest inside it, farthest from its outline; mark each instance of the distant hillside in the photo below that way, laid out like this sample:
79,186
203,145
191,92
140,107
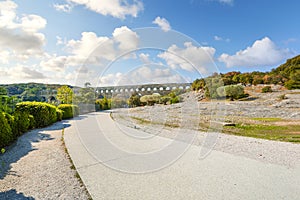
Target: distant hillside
287,74
290,71
32,88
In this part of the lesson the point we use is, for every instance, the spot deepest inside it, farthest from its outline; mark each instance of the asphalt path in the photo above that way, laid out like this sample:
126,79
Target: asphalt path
117,162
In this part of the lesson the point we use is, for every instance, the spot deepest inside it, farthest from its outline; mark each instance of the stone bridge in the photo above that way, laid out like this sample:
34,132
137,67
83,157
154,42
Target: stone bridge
143,89
110,91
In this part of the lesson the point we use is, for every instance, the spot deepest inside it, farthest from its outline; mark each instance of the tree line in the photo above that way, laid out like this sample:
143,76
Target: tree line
287,74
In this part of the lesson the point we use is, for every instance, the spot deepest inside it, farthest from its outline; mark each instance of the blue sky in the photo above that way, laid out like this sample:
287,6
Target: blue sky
109,42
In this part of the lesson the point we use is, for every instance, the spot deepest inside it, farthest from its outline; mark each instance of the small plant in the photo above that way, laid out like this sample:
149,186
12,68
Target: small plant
282,97
2,162
266,89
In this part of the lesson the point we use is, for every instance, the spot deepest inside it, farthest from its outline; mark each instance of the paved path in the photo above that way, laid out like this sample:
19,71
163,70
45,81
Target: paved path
111,160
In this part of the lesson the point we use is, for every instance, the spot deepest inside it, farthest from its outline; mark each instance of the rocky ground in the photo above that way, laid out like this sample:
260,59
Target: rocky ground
37,167
283,104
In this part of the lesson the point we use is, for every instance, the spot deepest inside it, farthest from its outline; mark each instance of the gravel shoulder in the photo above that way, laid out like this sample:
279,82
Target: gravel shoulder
36,166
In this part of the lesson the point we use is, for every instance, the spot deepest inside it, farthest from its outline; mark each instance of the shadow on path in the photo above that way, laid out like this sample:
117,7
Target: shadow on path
23,145
13,194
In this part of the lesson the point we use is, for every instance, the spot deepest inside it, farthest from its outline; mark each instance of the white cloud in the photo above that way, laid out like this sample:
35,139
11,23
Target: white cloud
218,38
110,79
162,23
22,43
54,63
189,58
228,2
147,74
32,23
20,36
263,52
4,57
126,39
60,41
142,75
86,45
144,58
92,49
21,72
7,14
63,7
28,73
115,8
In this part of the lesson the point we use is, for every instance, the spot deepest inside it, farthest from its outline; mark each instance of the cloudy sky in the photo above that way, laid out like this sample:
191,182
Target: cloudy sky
114,42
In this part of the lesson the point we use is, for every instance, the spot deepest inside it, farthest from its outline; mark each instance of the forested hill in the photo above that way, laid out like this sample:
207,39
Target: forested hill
31,88
291,71
287,74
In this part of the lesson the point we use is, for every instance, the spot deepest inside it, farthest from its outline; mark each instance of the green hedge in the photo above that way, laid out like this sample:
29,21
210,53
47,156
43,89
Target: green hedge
59,114
69,110
12,126
23,122
29,115
44,114
6,134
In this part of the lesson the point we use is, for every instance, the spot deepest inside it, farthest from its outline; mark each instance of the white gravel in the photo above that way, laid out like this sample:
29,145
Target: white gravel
282,153
37,167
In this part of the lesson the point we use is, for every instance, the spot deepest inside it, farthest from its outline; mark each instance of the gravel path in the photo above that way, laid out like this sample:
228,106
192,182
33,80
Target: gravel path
37,167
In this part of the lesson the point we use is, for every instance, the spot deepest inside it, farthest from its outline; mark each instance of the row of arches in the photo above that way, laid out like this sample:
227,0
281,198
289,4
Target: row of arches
155,89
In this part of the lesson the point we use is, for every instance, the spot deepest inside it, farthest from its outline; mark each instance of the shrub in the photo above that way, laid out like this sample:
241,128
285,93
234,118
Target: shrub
266,89
68,110
150,100
175,100
231,91
44,114
21,122
59,114
164,100
6,134
134,100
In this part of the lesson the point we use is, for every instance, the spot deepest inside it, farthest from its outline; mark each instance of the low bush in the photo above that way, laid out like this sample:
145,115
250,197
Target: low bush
175,100
44,114
266,89
231,92
68,110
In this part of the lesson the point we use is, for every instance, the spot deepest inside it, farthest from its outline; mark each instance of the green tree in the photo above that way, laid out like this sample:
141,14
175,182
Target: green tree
294,82
65,94
231,91
134,100
150,100
198,84
85,96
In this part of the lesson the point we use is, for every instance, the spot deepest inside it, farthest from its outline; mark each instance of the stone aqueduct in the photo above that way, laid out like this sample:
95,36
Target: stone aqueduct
153,88
129,89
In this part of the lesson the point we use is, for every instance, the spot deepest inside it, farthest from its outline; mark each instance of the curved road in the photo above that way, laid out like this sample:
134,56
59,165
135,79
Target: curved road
106,156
